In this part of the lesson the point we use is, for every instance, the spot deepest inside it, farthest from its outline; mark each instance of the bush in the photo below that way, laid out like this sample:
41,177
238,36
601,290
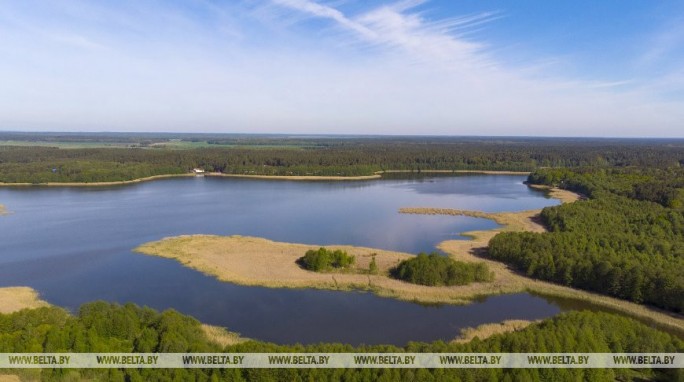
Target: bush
323,259
437,270
373,267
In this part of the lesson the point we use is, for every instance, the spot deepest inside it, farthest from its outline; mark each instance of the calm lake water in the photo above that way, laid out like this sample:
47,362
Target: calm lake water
74,245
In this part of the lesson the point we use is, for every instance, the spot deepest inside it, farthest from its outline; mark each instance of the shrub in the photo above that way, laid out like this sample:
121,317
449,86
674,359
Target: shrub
437,270
322,260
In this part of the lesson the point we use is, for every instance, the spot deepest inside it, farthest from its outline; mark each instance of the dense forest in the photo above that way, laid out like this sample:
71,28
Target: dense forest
342,156
438,270
104,327
626,240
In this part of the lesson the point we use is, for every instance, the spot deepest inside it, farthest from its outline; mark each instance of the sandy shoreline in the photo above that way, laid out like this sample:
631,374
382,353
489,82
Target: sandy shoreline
294,177
213,174
14,299
486,172
377,175
95,184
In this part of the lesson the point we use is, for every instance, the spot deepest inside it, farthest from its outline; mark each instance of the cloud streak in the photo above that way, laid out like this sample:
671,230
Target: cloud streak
392,26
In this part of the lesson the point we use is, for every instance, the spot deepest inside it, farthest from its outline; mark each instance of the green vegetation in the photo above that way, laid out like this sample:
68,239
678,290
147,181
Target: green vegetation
437,270
372,267
103,327
132,156
325,260
626,240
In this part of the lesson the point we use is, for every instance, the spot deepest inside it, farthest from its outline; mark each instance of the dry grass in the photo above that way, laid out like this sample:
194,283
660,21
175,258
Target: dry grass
9,378
221,336
488,330
13,299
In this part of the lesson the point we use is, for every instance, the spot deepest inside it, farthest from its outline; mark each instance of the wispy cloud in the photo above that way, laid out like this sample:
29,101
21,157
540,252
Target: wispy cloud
327,12
397,27
670,39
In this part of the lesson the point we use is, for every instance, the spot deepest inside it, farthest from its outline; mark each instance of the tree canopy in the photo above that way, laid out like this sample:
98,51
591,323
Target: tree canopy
104,327
626,240
437,270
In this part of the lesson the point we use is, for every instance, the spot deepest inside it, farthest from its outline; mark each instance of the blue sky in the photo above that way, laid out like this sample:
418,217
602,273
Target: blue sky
552,68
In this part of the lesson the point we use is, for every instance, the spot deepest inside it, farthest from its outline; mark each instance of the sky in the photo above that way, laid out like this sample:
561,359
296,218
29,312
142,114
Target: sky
612,68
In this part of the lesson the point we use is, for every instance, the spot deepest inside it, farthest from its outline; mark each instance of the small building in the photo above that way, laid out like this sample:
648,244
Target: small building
198,171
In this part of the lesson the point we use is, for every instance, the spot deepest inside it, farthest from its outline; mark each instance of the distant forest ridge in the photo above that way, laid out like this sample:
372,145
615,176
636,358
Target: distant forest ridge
106,157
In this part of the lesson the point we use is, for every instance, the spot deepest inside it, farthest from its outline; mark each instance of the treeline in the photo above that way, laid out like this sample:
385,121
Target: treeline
664,186
626,240
103,327
331,156
437,270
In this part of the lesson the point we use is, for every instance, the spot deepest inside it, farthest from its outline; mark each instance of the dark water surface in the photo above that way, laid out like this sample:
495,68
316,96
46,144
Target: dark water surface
74,245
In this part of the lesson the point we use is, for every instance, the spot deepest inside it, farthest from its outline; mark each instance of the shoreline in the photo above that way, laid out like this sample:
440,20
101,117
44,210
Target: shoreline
96,184
376,175
295,177
486,172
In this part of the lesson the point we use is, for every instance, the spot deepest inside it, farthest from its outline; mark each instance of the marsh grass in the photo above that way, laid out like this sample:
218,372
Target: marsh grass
222,336
488,330
13,299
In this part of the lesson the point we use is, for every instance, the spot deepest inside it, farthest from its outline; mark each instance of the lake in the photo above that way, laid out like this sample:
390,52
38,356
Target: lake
74,245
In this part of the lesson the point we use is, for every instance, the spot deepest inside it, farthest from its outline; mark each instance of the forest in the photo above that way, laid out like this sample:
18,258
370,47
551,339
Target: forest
625,240
105,327
337,156
438,270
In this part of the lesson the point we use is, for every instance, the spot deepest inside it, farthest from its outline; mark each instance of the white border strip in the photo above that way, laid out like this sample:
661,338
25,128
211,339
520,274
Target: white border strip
339,360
